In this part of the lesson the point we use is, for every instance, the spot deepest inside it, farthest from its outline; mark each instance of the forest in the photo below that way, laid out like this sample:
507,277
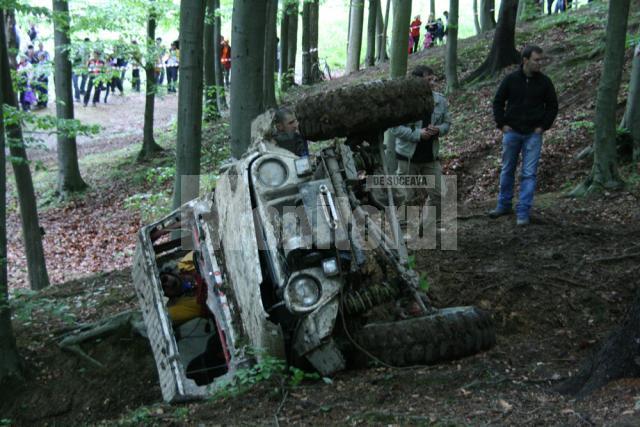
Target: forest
152,150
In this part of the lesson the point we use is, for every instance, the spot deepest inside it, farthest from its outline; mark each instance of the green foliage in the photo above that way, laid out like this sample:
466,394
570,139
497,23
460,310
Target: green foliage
583,124
159,176
26,303
150,205
138,416
6,422
424,282
269,370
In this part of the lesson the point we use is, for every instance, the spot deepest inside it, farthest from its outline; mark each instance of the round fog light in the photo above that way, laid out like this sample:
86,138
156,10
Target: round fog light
303,292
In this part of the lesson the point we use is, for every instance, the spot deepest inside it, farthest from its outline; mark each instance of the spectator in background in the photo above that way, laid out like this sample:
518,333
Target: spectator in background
225,59
136,59
112,75
172,63
95,67
160,52
31,55
432,28
440,30
42,71
84,52
415,33
25,77
33,33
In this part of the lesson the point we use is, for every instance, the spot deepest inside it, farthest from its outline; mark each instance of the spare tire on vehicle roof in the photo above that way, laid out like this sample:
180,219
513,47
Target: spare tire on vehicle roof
363,108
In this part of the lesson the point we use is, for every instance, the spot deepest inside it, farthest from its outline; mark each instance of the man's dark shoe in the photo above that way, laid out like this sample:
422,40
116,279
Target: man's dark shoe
521,222
497,212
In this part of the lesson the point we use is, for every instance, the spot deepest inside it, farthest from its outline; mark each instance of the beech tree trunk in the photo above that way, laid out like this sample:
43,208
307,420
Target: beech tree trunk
400,38
284,44
476,20
269,58
292,52
9,358
432,8
12,38
210,97
398,65
149,145
314,22
617,357
503,49
306,44
381,31
248,23
69,179
217,25
604,173
189,135
32,236
370,58
488,15
354,46
451,66
631,120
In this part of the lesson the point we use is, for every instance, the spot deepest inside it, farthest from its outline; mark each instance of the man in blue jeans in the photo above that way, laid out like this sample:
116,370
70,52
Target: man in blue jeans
524,107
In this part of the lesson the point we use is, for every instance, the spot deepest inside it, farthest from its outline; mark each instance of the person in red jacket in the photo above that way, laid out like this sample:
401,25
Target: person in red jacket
415,32
225,59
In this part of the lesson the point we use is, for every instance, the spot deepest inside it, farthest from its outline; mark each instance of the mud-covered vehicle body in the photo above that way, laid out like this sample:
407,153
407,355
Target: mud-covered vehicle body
293,267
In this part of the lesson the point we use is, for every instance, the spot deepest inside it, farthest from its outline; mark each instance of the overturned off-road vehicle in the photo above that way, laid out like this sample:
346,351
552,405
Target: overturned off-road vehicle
283,259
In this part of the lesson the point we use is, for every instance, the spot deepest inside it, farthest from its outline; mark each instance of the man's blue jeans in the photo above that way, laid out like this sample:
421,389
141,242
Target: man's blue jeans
512,144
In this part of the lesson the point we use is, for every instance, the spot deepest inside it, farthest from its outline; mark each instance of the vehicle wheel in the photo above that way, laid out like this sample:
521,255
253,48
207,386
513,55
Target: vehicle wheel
449,334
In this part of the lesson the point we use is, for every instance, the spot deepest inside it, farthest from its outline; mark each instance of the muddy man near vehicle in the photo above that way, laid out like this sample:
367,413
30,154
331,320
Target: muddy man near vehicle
287,261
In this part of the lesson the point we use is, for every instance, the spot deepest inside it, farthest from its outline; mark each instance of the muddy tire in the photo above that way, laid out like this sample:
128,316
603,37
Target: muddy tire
363,108
451,333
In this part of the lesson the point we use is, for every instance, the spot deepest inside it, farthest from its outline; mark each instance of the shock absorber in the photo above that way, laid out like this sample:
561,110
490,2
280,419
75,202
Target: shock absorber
358,302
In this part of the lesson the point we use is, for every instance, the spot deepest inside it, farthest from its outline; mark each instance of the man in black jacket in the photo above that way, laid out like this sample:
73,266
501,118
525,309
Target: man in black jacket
524,107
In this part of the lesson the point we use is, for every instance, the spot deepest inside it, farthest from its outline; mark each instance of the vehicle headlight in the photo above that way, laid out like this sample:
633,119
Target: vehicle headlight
272,172
330,267
302,293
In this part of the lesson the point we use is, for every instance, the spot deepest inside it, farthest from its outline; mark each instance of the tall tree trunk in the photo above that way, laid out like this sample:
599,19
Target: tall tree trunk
398,65
314,21
488,15
617,357
381,32
284,44
400,38
149,145
631,120
189,137
12,38
604,173
248,23
356,21
217,25
292,51
9,359
452,47
306,44
31,233
69,179
432,8
503,49
211,99
269,58
370,58
476,20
